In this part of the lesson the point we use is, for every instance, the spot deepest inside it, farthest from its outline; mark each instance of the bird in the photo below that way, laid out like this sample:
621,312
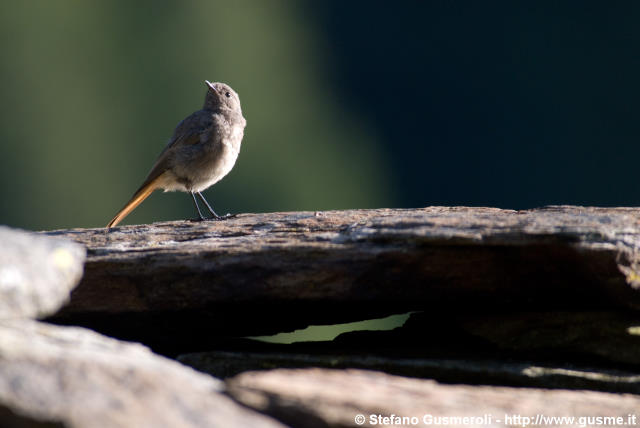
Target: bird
203,149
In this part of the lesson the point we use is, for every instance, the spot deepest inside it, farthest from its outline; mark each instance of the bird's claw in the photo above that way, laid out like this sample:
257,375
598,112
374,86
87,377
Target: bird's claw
223,217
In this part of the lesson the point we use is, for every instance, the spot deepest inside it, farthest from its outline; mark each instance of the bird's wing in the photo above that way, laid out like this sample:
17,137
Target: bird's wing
187,133
190,129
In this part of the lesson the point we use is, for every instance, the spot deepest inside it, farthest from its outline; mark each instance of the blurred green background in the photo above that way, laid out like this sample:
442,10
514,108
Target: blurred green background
349,104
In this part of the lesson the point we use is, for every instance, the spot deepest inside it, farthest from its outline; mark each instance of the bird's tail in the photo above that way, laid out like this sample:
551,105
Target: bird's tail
141,194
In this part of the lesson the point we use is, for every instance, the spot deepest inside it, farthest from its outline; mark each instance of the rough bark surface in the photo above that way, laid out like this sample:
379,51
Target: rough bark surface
335,398
287,269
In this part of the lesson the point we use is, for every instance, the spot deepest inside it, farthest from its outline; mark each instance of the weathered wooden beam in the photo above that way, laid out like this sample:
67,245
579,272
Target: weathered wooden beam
261,273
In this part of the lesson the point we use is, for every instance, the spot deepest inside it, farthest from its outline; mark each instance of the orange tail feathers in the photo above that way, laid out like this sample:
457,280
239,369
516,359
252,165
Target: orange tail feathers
143,193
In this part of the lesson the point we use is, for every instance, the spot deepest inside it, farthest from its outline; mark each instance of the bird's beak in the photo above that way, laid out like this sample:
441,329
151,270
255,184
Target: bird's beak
211,86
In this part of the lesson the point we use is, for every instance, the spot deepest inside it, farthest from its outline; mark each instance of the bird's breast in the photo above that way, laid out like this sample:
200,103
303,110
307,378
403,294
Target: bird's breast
218,160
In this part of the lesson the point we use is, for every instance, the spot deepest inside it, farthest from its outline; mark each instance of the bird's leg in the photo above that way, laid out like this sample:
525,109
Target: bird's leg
213,213
197,208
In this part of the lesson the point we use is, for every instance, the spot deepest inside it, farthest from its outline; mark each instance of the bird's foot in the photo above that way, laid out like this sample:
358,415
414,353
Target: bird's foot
223,217
214,218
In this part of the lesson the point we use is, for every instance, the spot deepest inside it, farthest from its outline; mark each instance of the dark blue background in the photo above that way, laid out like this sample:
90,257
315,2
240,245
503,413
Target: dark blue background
512,103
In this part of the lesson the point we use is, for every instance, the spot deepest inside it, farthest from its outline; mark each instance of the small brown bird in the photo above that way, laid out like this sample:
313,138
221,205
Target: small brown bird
203,149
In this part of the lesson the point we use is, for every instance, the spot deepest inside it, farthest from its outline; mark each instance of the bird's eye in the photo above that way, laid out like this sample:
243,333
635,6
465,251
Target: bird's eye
227,94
